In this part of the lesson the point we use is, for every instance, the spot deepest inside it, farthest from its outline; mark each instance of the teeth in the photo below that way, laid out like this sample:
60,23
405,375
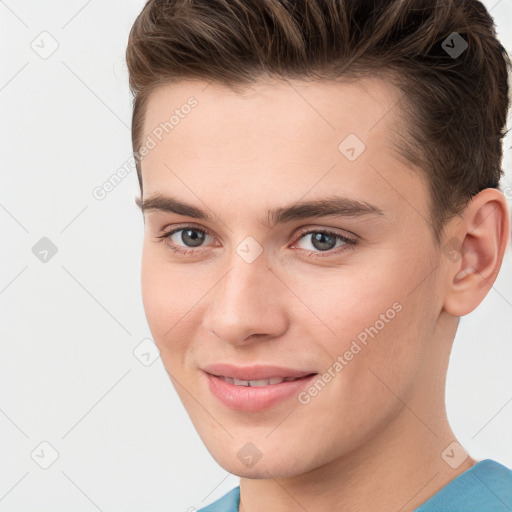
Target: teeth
258,383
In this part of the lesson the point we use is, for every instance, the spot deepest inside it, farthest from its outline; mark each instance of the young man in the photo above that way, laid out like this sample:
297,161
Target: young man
319,182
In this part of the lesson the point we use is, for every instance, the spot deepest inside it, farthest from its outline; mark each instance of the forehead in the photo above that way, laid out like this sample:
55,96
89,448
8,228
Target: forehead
356,106
297,136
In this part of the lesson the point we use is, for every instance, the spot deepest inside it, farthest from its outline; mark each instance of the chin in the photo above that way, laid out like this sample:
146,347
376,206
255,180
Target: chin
245,460
262,469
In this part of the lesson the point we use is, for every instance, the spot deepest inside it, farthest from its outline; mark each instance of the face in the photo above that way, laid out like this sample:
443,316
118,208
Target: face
259,269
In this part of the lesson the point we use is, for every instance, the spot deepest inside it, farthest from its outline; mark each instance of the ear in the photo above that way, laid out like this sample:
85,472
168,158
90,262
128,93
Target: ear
474,252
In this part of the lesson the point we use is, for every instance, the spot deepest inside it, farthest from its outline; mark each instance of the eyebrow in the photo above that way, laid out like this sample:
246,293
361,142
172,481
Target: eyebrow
329,206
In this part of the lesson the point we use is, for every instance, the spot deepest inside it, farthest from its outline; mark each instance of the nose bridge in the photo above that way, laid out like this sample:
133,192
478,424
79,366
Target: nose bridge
244,302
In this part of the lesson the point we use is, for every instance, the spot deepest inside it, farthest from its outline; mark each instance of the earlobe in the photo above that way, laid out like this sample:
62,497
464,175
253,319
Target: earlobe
479,242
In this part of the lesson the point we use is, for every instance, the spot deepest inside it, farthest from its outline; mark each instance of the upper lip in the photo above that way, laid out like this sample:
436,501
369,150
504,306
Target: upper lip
256,372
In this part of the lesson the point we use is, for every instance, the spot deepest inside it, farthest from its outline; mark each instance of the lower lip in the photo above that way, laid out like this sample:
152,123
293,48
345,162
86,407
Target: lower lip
253,399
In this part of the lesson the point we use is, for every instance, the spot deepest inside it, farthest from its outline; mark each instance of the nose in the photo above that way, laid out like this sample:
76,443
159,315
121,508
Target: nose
247,304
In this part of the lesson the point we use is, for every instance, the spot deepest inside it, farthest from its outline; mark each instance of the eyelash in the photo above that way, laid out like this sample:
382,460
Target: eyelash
349,243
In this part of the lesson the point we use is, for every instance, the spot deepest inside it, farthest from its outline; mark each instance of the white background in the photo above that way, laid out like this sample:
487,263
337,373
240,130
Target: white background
69,326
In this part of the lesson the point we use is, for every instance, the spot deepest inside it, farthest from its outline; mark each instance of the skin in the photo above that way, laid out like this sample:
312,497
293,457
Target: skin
373,438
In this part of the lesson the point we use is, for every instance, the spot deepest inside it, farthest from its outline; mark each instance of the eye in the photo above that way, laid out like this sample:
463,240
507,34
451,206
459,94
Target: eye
323,241
190,236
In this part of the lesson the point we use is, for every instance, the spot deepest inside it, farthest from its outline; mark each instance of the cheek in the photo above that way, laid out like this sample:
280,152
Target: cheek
394,330
155,300
172,298
346,300
380,317
162,297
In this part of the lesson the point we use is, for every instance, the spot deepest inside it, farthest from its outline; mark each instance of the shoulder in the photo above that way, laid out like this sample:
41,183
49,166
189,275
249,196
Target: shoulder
485,487
228,502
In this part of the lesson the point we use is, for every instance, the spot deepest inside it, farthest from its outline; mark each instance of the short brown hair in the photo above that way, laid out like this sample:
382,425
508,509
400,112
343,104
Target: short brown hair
455,106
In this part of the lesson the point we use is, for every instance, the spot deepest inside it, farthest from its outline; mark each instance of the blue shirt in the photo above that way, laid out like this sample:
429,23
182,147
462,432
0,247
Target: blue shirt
485,487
